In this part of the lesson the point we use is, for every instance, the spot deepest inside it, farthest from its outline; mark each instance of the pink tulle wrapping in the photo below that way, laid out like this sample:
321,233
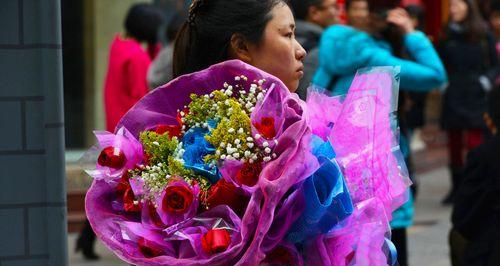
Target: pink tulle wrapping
323,111
363,140
367,149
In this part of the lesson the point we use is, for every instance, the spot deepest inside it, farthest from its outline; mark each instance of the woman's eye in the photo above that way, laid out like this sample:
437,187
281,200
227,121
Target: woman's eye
289,35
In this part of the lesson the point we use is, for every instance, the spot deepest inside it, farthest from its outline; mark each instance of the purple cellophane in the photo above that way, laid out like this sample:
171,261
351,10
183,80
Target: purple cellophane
359,127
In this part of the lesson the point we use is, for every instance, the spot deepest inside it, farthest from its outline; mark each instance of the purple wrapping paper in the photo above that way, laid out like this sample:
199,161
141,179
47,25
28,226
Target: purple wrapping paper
293,164
359,127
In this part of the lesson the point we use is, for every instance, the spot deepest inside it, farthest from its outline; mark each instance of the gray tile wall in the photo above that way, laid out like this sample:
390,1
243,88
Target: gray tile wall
32,185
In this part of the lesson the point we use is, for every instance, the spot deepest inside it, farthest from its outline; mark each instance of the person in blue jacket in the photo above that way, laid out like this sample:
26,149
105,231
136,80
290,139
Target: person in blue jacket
344,50
389,40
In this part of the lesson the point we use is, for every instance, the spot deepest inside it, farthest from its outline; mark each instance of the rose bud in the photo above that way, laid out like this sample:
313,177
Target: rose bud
266,127
125,192
227,193
215,241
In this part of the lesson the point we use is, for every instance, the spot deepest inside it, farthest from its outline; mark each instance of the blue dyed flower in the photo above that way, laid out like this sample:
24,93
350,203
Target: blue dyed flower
212,123
196,147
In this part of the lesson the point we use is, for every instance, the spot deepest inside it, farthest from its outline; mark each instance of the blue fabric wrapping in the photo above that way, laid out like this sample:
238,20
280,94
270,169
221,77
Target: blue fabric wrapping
327,198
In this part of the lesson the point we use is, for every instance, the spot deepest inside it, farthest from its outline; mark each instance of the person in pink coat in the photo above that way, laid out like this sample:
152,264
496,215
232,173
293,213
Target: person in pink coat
125,82
128,62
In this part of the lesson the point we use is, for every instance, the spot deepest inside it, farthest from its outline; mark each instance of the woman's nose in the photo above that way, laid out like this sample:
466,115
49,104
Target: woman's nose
300,52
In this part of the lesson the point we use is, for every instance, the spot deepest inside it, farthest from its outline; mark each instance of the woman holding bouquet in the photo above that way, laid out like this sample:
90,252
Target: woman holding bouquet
223,165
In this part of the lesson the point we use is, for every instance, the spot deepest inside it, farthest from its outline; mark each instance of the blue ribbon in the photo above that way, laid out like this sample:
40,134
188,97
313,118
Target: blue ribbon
390,249
322,148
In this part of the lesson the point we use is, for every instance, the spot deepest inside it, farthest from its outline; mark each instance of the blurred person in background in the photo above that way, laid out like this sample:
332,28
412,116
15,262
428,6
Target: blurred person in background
391,35
469,54
415,101
312,16
161,72
357,13
494,20
475,235
125,82
128,61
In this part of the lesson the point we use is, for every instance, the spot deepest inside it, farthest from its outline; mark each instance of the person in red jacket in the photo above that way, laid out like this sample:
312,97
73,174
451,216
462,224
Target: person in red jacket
125,82
128,62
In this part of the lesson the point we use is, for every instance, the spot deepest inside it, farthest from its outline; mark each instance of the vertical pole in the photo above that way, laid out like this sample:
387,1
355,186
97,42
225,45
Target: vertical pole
32,180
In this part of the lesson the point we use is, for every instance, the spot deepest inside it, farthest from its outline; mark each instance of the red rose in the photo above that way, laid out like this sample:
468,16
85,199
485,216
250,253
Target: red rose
129,202
125,192
266,127
155,218
148,249
122,185
249,174
215,241
177,199
225,193
173,131
112,157
280,256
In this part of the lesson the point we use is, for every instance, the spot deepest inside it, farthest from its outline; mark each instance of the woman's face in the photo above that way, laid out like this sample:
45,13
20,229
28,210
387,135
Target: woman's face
278,53
458,10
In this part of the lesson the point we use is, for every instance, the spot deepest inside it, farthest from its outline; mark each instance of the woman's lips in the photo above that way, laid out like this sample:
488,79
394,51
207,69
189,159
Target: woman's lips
300,71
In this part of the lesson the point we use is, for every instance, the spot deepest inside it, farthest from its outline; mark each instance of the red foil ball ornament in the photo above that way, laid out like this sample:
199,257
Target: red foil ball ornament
112,157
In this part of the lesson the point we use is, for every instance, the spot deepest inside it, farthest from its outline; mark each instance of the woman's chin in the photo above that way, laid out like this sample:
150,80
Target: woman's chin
292,87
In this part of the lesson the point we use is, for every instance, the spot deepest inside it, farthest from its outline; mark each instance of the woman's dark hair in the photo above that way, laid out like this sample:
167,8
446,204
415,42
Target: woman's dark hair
143,22
474,26
205,38
300,8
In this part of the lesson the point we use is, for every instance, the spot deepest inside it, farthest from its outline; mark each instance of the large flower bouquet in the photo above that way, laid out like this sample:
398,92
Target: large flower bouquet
226,166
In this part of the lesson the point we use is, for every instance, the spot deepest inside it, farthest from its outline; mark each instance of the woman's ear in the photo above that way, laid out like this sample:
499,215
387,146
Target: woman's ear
239,49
